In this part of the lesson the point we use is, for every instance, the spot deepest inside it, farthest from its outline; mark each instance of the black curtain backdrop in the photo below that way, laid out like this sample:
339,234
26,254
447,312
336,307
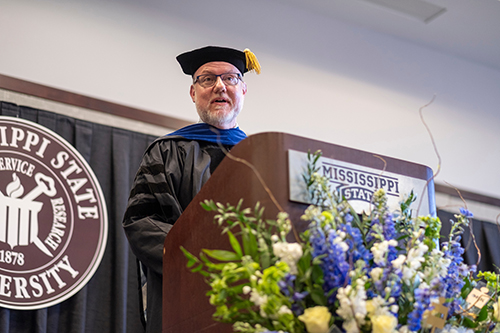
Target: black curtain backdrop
487,238
109,302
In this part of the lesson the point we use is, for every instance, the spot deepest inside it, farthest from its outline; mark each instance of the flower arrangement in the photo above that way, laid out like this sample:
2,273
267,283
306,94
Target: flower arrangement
380,272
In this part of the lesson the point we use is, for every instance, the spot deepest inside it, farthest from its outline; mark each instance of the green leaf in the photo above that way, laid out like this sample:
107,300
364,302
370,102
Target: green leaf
235,244
207,205
317,274
216,267
197,268
238,206
222,255
191,258
402,237
204,258
265,260
245,240
483,314
318,296
304,262
466,289
469,323
252,244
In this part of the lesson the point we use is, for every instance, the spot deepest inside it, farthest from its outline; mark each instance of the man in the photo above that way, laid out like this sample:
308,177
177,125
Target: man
175,167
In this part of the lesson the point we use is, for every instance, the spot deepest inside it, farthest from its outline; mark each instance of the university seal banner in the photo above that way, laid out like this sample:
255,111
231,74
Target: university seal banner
53,219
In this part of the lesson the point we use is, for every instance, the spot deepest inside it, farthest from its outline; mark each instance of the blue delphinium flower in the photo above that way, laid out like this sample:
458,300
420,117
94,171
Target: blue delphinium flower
467,213
389,230
391,278
373,230
318,240
287,288
354,240
383,231
422,301
454,280
334,263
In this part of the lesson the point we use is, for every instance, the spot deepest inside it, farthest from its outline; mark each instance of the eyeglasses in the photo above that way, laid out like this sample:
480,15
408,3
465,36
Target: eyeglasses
209,80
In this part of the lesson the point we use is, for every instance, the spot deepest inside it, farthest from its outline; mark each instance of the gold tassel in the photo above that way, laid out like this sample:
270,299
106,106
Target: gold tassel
252,62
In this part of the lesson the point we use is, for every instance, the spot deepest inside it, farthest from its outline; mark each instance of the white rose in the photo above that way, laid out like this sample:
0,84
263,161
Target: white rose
384,324
316,319
496,312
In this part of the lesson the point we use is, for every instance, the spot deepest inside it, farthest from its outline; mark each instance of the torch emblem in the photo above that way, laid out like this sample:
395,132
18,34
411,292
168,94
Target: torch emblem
19,216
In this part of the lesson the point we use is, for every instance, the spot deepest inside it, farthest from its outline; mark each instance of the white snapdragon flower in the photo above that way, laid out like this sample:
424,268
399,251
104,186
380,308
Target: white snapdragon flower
284,310
399,261
343,245
416,256
414,260
379,250
359,301
408,275
312,212
352,306
257,298
378,306
284,223
376,273
350,326
439,265
423,285
290,253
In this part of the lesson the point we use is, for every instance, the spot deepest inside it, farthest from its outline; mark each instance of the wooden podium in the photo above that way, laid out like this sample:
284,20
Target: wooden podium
185,304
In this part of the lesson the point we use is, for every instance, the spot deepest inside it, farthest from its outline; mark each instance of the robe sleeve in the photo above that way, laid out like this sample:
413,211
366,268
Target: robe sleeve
153,206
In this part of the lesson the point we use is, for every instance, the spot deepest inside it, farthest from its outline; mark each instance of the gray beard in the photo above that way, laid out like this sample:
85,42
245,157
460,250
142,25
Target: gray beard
218,120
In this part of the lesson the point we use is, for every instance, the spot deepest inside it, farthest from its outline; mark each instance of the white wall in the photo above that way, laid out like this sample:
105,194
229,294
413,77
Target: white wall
321,78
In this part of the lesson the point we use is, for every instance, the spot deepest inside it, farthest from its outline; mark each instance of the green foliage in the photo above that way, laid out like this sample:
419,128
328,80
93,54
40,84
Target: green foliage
250,269
318,187
432,227
404,220
252,281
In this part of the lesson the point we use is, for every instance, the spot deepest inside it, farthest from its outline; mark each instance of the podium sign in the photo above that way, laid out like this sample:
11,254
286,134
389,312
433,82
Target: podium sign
357,183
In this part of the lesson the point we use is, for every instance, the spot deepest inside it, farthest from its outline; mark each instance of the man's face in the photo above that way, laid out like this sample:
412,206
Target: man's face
218,105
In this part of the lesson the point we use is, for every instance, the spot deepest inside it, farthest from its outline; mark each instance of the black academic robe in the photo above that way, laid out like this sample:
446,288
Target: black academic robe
172,172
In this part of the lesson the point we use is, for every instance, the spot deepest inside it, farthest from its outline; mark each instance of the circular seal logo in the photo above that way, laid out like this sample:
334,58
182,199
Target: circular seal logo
53,219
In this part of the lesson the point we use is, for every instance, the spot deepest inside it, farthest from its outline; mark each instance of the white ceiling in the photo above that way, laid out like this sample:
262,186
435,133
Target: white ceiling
468,29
